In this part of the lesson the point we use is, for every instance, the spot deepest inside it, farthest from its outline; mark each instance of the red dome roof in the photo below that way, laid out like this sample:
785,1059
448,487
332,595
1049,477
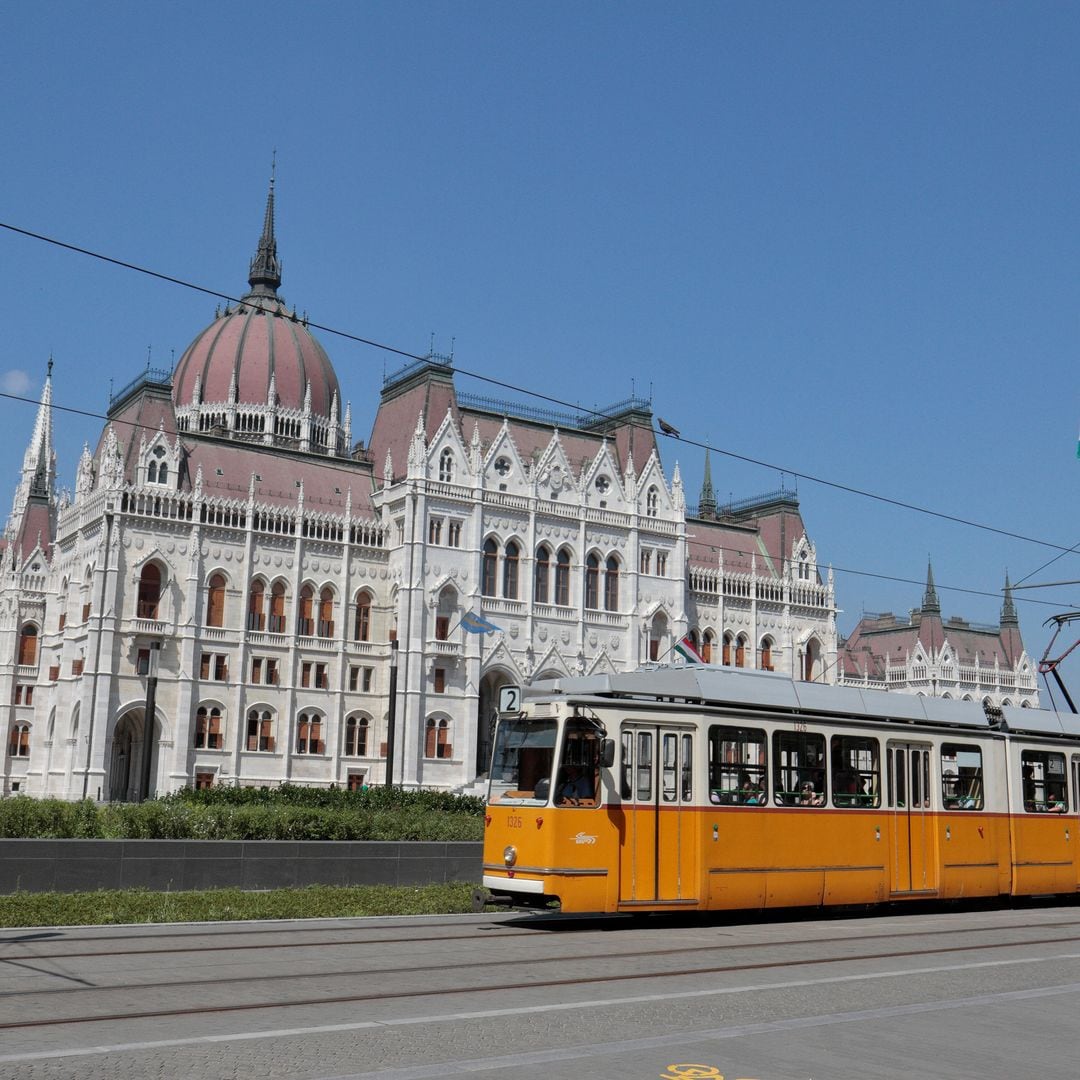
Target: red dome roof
251,344
256,342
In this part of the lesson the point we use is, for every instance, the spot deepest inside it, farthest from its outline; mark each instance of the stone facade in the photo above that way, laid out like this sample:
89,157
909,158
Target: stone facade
231,565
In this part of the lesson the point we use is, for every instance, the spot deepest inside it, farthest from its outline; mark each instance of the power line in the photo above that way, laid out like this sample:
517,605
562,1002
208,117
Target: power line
330,466
835,485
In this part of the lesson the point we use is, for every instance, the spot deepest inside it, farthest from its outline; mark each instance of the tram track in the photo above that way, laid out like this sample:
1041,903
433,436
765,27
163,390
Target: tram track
489,931
384,994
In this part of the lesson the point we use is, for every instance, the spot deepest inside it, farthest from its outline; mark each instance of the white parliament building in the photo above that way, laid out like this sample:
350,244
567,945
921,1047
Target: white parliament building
237,580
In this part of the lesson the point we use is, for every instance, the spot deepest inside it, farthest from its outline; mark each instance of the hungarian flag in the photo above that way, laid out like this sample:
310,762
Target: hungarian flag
686,650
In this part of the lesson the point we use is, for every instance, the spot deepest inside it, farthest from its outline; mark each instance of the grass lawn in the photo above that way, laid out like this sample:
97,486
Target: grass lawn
317,901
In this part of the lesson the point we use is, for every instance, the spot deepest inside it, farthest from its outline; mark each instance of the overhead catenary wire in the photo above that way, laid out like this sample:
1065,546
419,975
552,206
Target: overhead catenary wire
490,380
328,465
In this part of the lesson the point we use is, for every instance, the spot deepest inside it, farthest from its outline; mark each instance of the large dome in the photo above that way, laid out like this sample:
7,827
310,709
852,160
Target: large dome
258,347
250,346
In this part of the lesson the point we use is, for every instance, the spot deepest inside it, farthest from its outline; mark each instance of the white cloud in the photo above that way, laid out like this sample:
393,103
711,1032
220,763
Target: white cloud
15,381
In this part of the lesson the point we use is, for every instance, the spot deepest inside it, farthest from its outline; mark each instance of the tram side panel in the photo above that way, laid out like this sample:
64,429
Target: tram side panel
972,818
1042,819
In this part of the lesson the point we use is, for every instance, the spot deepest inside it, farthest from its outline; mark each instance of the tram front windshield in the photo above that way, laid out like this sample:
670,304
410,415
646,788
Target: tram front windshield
522,761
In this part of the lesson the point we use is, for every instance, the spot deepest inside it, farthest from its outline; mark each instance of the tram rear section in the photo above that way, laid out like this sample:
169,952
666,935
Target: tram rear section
675,789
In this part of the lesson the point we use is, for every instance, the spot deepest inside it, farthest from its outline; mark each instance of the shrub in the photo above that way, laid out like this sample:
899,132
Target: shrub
285,813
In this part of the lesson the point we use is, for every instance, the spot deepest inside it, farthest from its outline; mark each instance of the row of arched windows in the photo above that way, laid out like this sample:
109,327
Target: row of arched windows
266,608
309,734
551,576
734,650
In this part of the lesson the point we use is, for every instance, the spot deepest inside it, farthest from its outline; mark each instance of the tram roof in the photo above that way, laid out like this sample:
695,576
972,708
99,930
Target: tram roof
760,690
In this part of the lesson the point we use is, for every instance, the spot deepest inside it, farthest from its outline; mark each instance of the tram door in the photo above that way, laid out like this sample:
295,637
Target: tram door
1073,803
658,850
913,860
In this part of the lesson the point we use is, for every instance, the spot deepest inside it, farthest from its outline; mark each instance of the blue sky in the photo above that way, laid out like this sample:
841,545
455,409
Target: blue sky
838,238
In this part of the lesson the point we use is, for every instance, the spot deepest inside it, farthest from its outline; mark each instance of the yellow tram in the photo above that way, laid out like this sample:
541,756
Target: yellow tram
702,788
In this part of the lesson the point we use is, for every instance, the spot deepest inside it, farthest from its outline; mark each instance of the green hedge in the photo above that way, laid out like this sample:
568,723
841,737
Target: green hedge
284,813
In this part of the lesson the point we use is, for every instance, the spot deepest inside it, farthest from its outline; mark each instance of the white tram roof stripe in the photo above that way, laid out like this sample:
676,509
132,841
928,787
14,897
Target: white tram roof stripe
761,690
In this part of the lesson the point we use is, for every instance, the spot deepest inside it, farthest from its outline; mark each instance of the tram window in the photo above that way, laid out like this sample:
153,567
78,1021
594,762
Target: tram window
961,777
1045,787
626,768
578,782
522,759
737,760
687,768
856,771
799,768
644,766
920,778
671,763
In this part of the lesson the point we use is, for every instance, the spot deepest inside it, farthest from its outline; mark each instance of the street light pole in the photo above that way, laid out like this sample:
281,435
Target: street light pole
148,719
391,715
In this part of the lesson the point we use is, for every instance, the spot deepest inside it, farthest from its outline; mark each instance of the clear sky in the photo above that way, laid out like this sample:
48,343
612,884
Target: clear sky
837,238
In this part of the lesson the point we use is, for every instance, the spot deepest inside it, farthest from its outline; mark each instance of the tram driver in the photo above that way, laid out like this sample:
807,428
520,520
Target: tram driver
575,787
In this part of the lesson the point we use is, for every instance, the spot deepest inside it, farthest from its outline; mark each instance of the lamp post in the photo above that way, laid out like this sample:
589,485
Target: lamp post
391,715
148,719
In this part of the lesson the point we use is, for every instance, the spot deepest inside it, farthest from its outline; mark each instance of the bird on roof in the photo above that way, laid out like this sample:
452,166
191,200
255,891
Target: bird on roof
666,428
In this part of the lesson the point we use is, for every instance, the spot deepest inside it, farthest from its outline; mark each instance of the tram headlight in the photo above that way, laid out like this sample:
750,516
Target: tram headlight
509,854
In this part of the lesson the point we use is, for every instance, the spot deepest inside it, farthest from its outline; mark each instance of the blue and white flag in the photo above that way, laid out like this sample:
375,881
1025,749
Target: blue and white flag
477,624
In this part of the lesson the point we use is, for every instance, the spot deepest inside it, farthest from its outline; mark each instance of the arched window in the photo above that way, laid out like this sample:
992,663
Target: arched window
446,466
19,743
766,654
726,652
489,574
157,472
305,614
256,613
208,728
446,613
277,608
510,571
215,601
651,500
562,578
260,730
740,651
149,591
362,623
356,736
28,645
658,635
326,613
437,739
708,640
592,582
611,584
309,733
542,576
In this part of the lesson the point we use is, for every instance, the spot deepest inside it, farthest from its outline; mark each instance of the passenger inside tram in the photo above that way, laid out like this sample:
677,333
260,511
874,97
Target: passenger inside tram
809,797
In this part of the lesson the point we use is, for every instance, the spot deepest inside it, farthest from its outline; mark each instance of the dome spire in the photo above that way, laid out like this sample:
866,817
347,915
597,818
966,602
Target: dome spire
930,603
264,275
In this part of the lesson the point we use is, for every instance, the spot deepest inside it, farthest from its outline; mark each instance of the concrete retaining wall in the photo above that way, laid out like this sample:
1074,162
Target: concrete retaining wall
83,865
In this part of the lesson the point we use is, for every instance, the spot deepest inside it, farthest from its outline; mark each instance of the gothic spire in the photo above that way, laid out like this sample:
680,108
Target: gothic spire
707,502
930,603
264,275
1008,608
39,462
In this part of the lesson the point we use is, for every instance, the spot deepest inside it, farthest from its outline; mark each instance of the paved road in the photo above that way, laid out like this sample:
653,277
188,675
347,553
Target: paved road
945,996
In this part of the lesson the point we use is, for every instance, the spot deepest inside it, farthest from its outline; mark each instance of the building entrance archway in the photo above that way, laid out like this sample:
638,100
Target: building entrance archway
488,714
125,759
